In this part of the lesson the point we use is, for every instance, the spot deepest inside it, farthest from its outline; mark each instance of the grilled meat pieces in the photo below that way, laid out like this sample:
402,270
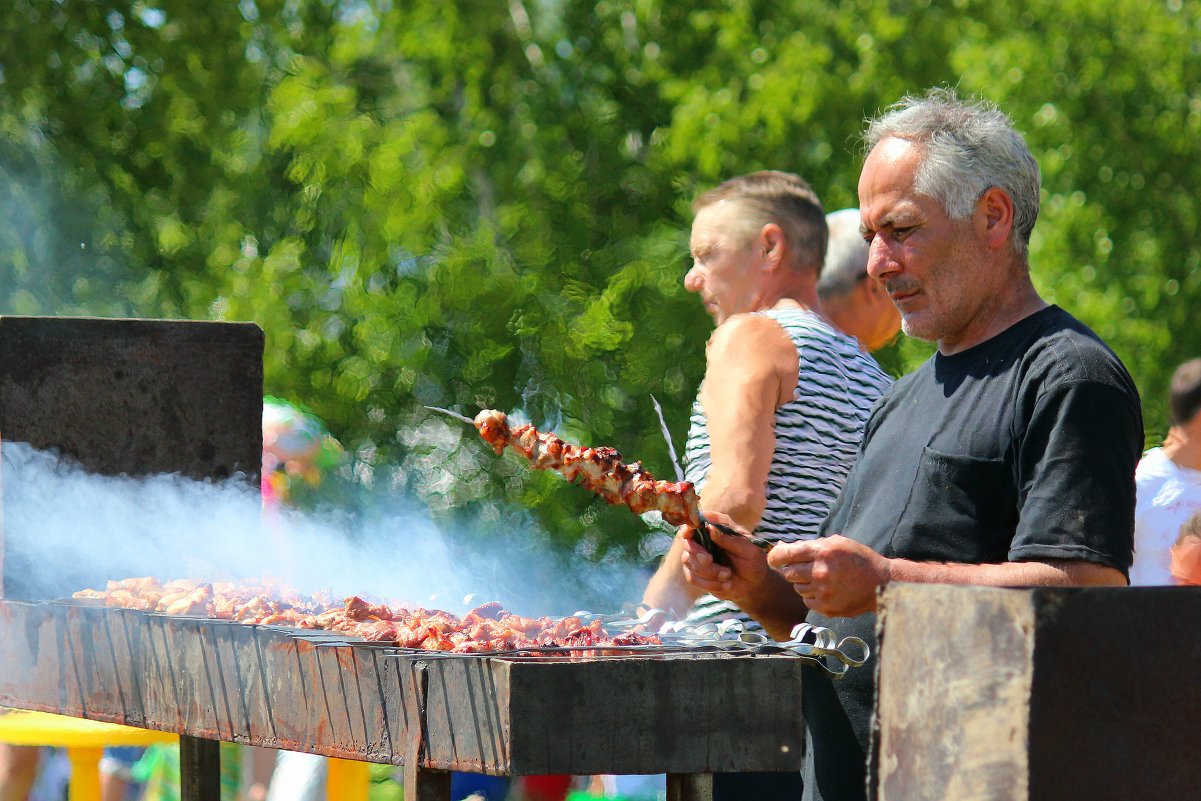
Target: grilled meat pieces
486,628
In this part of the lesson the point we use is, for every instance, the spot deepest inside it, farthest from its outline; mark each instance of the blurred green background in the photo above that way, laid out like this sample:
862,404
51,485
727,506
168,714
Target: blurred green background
485,204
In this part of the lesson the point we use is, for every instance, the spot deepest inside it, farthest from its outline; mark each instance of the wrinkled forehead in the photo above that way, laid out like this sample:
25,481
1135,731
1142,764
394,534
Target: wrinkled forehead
725,222
887,180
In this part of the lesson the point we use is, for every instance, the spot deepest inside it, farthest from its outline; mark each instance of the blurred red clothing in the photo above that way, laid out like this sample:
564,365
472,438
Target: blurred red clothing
546,788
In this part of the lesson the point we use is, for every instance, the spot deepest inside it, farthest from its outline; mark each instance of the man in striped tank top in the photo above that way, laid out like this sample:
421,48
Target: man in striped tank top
780,413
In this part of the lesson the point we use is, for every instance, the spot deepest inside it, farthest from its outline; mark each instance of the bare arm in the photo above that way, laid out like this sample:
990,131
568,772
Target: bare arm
839,577
750,371
1048,573
668,589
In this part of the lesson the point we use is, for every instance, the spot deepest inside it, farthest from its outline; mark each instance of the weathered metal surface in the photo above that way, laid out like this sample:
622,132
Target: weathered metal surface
654,716
689,787
132,397
1038,695
260,686
199,769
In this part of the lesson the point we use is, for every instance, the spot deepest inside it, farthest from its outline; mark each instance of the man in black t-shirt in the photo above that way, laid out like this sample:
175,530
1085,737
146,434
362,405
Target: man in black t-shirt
1007,459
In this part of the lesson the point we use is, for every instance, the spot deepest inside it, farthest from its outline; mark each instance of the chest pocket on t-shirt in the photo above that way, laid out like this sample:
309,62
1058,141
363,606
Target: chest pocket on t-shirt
961,509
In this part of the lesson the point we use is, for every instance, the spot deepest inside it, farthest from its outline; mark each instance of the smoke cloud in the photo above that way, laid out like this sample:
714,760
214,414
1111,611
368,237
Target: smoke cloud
67,530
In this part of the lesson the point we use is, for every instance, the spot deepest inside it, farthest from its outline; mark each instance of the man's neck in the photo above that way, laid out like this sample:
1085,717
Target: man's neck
1009,307
1184,450
801,291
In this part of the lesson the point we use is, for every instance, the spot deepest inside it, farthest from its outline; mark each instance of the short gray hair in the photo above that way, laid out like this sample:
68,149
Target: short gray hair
783,198
846,255
968,148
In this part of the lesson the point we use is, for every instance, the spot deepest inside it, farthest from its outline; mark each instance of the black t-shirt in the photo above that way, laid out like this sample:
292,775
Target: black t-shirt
1021,448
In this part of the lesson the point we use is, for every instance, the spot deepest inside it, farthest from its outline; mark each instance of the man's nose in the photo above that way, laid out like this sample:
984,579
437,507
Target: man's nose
879,258
693,280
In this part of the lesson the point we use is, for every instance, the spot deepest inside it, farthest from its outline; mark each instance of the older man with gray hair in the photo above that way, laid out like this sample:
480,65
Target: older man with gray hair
1007,459
850,299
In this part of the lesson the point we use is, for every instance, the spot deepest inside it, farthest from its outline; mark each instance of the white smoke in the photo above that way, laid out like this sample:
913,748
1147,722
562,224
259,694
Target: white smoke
65,530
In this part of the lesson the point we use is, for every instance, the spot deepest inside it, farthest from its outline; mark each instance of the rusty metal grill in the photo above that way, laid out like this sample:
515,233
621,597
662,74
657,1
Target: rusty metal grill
659,713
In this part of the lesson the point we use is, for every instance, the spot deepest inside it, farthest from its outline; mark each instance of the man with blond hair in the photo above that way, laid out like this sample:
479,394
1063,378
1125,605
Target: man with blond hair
780,413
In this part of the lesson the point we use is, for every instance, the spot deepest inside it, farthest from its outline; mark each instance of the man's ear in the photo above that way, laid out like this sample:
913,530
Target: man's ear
772,245
995,213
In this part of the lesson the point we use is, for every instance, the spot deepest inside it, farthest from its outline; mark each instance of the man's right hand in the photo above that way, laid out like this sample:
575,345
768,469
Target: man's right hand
747,580
745,573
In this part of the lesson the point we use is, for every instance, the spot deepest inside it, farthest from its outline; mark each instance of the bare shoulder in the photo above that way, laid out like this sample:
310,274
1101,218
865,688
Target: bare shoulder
744,334
758,349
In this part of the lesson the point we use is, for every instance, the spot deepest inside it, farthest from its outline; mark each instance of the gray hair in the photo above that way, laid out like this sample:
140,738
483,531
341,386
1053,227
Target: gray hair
846,255
968,148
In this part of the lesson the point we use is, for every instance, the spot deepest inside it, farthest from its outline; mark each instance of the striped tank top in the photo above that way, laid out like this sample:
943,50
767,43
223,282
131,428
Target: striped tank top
817,438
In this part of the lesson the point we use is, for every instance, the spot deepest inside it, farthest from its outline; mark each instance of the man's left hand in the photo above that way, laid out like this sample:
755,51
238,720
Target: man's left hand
836,576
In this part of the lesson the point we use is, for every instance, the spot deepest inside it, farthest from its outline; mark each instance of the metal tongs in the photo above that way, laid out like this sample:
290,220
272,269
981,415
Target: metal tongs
817,645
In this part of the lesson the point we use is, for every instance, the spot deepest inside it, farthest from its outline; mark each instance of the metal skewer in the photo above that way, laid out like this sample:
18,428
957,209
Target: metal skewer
671,448
758,542
449,413
702,533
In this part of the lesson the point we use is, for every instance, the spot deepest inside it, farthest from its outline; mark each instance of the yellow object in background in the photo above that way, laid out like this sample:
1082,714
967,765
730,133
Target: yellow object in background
347,780
84,740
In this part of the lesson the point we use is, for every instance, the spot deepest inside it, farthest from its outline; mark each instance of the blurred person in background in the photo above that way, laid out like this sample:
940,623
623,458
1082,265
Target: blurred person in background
298,453
116,777
18,770
158,770
780,413
1169,482
856,304
1186,554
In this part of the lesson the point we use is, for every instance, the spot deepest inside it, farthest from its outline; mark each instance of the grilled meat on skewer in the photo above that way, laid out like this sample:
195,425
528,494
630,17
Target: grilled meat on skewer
597,469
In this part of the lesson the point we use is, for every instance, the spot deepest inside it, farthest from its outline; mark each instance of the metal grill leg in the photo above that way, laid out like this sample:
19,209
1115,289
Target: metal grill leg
690,787
426,785
199,769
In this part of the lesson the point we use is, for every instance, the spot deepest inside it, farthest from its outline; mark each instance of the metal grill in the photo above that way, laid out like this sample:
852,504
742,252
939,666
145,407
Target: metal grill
675,711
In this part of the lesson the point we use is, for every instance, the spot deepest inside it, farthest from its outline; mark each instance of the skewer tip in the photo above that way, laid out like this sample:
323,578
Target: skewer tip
449,413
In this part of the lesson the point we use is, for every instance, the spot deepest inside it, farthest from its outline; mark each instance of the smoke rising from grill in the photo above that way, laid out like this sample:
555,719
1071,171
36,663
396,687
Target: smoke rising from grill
65,530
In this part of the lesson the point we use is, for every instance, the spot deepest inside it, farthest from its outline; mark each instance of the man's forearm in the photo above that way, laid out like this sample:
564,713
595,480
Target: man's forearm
1049,573
668,589
776,606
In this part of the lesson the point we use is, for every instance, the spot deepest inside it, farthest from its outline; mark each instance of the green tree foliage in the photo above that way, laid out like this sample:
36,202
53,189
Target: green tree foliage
485,204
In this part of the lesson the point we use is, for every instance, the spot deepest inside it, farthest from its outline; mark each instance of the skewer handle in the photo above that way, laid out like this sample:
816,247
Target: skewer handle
758,542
